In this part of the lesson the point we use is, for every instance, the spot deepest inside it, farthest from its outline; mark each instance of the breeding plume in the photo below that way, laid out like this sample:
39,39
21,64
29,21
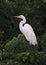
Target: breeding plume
27,30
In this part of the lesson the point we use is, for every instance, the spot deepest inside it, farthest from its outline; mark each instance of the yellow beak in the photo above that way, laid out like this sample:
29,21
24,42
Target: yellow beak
16,16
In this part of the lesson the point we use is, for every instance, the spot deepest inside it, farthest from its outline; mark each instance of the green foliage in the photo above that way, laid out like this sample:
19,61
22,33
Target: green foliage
16,45
43,42
18,52
1,39
14,48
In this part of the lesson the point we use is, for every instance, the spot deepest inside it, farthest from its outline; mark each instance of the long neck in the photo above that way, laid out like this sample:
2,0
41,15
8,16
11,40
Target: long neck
21,24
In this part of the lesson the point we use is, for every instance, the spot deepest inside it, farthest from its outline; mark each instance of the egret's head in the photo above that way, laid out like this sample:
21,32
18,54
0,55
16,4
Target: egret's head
20,16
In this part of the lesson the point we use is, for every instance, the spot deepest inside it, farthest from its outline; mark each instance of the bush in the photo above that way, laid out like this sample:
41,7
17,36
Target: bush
43,41
14,48
18,52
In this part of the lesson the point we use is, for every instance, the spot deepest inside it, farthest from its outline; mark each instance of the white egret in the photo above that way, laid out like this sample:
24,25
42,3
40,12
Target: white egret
27,30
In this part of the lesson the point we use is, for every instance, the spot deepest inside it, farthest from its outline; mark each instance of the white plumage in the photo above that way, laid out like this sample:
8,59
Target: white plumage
27,30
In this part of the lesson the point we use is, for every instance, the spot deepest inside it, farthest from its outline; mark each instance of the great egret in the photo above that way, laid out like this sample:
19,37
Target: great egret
27,30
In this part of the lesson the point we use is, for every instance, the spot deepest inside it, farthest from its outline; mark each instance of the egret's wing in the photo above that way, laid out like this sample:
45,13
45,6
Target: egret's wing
29,27
29,33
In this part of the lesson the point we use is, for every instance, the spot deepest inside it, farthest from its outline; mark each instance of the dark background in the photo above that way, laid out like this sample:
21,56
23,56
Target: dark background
14,49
